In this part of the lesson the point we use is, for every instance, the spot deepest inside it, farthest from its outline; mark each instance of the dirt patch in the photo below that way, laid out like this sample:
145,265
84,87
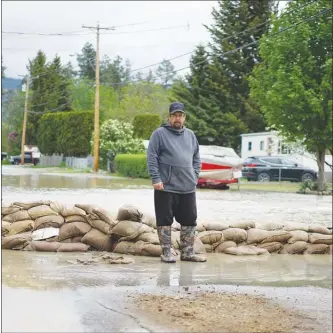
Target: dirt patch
221,312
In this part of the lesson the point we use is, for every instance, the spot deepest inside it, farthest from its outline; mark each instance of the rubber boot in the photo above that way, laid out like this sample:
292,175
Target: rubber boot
164,235
187,237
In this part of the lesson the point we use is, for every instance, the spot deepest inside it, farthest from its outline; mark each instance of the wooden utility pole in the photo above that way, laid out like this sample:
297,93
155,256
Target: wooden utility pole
96,122
25,118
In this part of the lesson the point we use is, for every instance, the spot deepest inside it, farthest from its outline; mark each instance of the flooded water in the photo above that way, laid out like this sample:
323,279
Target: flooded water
47,292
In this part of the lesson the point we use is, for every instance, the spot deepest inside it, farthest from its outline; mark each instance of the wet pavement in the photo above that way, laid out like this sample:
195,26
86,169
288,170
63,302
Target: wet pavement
47,292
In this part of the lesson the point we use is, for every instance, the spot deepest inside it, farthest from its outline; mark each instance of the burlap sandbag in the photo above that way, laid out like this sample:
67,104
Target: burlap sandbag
129,213
6,210
330,250
175,239
42,246
105,216
320,239
296,248
242,225
269,226
86,207
66,210
149,237
73,229
292,226
297,236
223,246
176,226
149,220
256,235
100,225
125,247
20,227
319,229
316,249
200,227
42,210
209,248
98,240
76,239
198,246
5,227
16,242
73,247
280,236
28,205
75,218
128,230
271,247
217,226
17,216
245,250
236,235
55,221
211,237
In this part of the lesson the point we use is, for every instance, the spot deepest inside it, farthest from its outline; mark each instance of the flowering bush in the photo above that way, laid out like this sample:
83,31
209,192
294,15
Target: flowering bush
117,137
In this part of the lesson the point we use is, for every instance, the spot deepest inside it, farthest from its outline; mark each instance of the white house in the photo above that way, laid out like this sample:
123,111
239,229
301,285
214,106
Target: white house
270,143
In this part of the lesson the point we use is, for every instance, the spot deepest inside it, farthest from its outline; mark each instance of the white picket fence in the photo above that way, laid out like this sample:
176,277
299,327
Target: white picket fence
71,162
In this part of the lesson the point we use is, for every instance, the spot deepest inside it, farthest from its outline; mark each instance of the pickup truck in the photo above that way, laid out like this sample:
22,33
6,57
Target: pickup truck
28,158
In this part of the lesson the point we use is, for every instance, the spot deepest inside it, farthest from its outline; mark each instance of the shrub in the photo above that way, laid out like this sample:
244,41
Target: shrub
132,165
145,124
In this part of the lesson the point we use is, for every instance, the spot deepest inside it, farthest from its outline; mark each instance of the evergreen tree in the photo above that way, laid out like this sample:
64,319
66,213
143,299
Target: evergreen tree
87,62
166,72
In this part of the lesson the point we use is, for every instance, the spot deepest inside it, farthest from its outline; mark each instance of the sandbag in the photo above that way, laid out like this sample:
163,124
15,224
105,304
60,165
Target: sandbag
319,229
72,247
128,230
129,213
223,246
269,226
17,216
217,226
53,221
16,242
198,246
105,216
292,226
98,240
176,226
149,237
280,236
149,220
320,239
175,239
45,233
209,248
245,250
236,235
42,210
86,207
200,227
73,229
126,247
76,239
271,247
211,237
67,210
256,235
28,205
316,249
75,218
5,227
242,225
330,250
100,225
296,248
20,227
6,210
42,246
298,235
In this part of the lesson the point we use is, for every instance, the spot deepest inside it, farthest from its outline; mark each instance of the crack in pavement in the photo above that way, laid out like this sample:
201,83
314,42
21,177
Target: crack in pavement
137,320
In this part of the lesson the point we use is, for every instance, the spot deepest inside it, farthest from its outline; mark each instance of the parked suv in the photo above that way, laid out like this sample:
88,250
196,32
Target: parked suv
28,158
268,168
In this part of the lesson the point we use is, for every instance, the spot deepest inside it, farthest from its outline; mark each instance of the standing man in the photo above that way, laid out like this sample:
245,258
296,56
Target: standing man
174,165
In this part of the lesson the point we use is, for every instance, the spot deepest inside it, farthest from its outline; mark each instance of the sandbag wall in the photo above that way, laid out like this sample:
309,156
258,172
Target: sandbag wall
54,227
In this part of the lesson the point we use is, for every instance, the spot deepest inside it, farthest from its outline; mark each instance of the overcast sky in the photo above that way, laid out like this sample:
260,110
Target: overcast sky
127,40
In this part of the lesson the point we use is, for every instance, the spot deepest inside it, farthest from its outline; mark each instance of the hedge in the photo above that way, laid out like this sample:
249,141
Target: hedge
132,165
67,133
145,124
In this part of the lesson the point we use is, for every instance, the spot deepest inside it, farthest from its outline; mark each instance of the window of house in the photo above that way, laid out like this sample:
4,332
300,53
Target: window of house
261,145
249,146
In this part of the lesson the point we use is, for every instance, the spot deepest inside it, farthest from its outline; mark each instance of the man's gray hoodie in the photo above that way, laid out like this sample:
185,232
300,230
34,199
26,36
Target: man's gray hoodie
173,159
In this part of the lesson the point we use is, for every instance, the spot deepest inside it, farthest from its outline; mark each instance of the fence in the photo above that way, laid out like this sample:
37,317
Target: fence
71,162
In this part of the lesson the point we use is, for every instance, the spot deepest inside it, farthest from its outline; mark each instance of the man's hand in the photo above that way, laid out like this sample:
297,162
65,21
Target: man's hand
158,186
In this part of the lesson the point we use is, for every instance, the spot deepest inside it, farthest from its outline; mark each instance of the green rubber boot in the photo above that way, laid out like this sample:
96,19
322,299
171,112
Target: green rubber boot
164,235
187,237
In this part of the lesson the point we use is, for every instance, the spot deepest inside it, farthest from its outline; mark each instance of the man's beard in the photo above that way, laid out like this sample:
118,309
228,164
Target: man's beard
177,125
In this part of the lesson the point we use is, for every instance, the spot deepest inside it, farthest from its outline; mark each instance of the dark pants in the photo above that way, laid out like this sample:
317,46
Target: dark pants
182,207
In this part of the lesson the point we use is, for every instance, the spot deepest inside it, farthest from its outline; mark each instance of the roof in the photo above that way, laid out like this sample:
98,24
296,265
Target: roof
259,134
